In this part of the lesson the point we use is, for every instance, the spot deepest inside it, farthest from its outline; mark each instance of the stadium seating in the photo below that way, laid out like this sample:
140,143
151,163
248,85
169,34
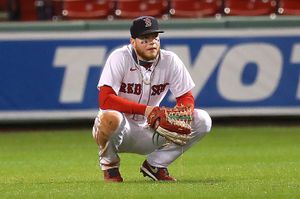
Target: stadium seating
57,9
28,11
3,10
289,7
87,9
32,10
128,9
3,4
249,7
195,8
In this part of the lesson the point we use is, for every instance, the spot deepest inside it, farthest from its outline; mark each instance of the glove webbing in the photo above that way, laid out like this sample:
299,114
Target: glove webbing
180,139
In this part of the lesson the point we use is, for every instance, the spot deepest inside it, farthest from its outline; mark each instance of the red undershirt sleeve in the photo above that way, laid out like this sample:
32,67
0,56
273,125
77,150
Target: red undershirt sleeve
109,100
186,99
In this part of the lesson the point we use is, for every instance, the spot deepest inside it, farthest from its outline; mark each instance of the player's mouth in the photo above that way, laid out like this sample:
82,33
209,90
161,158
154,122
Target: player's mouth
151,49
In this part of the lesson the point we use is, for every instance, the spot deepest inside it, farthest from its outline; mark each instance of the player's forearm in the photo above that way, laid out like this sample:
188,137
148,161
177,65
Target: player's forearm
109,100
187,100
122,105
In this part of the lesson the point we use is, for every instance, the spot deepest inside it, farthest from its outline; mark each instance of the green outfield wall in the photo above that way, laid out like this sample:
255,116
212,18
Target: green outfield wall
213,23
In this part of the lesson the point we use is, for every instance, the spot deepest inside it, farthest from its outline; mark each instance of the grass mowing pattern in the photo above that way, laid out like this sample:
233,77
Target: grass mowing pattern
230,162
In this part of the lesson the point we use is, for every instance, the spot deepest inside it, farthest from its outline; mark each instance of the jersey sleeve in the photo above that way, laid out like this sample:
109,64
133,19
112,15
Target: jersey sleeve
181,81
113,71
186,99
109,100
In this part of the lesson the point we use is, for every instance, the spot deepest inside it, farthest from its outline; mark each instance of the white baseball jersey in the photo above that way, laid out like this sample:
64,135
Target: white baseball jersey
149,86
131,81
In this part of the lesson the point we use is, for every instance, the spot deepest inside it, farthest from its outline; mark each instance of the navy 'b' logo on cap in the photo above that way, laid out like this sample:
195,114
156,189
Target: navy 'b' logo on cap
148,22
144,25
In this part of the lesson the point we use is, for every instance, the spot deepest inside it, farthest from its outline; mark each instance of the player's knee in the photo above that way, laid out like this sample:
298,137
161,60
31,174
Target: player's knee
106,124
202,121
110,121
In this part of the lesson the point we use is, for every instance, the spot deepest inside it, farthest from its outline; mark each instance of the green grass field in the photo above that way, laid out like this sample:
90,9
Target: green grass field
231,162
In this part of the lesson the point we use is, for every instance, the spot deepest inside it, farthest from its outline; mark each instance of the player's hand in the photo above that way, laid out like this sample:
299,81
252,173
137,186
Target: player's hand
172,123
149,110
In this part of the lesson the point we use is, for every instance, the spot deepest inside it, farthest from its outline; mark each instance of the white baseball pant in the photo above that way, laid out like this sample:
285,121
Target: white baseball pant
134,137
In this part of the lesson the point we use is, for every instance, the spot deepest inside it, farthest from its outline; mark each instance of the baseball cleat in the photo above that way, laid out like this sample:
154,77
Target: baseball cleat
155,173
112,175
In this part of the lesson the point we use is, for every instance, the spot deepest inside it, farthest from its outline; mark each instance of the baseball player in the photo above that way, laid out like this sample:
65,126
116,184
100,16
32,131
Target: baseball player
134,80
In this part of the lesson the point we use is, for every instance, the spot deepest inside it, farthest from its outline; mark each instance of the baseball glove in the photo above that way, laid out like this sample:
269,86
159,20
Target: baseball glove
172,123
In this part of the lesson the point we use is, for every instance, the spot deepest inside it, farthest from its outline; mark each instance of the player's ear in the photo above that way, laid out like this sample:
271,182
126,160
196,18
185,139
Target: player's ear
132,41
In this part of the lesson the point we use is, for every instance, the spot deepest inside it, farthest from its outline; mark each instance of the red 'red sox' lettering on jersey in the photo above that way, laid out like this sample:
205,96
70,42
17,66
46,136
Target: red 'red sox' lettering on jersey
131,88
158,89
136,89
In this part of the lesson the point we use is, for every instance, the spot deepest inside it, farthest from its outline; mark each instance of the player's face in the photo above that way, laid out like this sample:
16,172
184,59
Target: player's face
147,46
